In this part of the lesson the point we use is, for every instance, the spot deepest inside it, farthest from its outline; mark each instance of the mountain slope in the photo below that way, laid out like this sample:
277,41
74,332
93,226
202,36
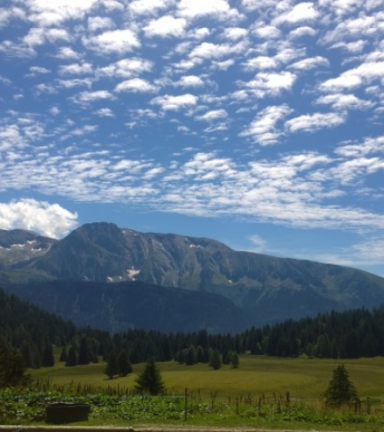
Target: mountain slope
20,245
102,252
120,306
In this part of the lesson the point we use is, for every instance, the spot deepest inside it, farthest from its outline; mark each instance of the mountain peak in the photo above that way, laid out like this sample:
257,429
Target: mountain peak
102,252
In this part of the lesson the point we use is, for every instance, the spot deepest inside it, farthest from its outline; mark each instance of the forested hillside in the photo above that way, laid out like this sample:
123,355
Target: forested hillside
33,332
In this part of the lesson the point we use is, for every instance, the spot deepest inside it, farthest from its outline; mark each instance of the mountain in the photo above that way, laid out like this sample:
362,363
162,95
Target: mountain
128,305
268,289
20,245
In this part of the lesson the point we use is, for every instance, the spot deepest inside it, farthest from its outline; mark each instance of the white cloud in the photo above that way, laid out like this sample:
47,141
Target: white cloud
266,31
213,115
195,9
222,65
340,101
54,111
76,69
258,243
353,47
100,23
368,146
11,137
358,26
69,83
310,63
208,50
305,11
5,81
369,251
314,122
68,53
52,13
259,4
112,5
38,36
51,220
136,85
39,70
88,96
261,62
199,33
166,26
365,73
113,41
263,127
301,32
171,103
271,83
345,81
128,67
105,112
146,7
234,33
9,14
189,81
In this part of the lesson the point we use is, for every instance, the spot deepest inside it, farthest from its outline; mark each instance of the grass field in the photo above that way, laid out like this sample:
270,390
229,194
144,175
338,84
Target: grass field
305,379
254,395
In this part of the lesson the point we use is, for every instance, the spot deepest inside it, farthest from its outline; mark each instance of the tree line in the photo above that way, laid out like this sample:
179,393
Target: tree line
29,333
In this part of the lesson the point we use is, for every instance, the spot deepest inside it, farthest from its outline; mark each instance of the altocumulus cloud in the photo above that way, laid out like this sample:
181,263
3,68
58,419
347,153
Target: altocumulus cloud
51,220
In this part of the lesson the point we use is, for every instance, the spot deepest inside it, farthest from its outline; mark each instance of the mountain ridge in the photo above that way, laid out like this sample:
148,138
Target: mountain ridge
272,288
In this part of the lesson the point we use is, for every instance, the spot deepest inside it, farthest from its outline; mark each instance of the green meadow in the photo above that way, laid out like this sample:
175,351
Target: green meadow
304,378
264,393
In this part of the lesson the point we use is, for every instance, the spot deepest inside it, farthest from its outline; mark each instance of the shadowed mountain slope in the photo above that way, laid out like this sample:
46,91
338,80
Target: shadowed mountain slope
265,288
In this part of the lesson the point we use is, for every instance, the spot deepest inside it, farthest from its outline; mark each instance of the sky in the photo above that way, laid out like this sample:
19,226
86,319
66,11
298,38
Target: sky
258,123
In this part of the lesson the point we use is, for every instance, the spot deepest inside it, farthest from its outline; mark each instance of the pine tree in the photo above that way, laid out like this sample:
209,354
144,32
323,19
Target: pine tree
83,358
112,368
235,360
215,362
48,359
227,357
340,389
71,357
191,356
124,364
27,352
63,354
149,380
12,366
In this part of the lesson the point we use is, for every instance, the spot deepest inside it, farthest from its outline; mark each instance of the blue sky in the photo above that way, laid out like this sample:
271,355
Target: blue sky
259,123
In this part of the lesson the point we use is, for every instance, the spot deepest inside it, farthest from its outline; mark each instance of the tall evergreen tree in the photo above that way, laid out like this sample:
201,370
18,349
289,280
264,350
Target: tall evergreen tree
124,364
340,389
83,358
215,362
112,368
191,356
63,354
48,360
235,360
12,367
150,380
71,357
